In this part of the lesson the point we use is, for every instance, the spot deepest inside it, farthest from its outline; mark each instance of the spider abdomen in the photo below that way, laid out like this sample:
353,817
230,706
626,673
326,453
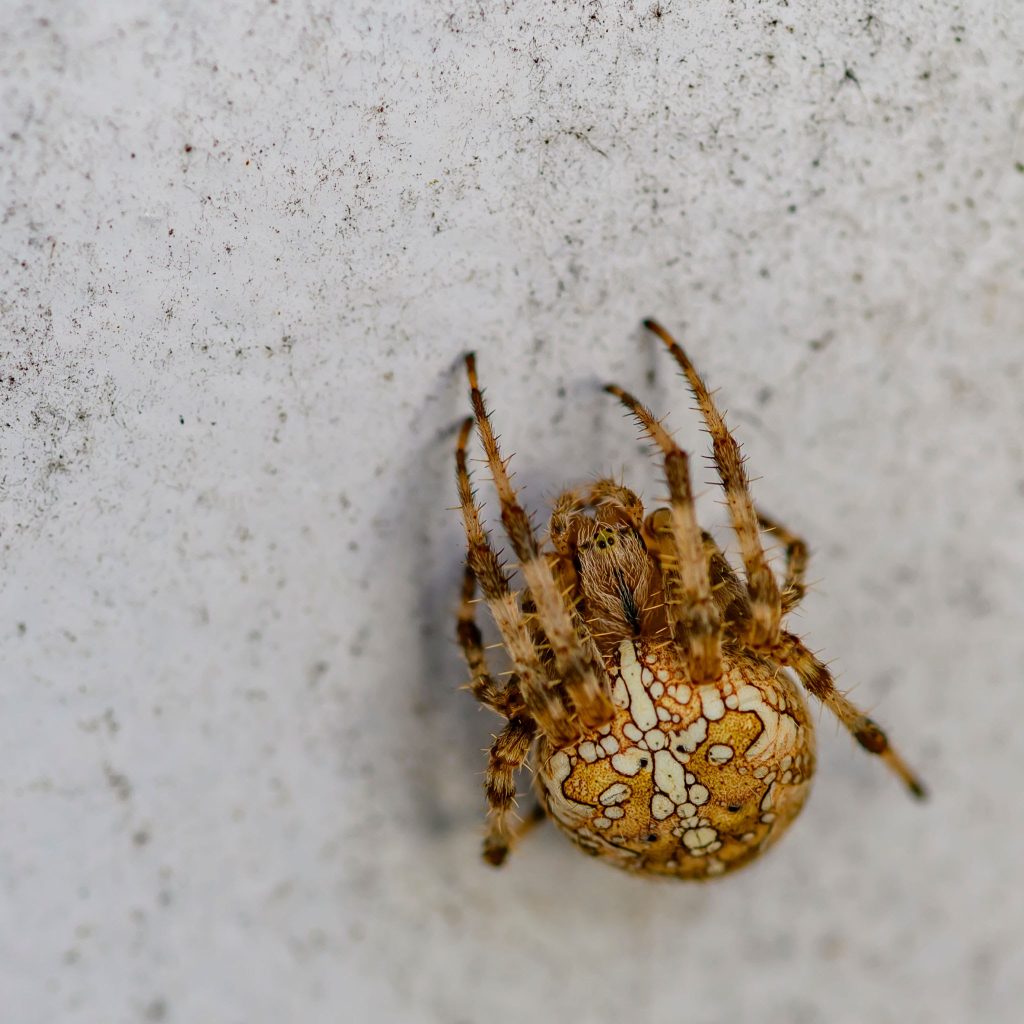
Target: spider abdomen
686,780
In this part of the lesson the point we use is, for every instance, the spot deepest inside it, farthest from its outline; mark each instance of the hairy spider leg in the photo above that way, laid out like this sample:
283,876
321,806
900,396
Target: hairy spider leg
482,559
525,697
508,754
816,678
576,663
765,599
505,700
692,609
793,586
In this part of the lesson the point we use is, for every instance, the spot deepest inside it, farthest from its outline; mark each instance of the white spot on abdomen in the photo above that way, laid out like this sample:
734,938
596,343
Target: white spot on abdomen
699,838
559,767
669,776
655,739
691,737
661,806
720,753
698,794
628,762
614,794
711,702
641,707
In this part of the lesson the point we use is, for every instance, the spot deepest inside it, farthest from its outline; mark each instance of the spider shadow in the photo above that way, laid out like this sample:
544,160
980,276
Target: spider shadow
446,730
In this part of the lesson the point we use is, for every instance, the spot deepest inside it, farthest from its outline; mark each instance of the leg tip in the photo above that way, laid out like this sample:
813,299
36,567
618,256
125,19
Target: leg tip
495,853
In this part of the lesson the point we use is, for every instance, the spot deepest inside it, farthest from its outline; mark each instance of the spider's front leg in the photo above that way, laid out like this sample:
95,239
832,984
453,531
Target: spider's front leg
484,566
762,630
695,616
793,586
577,698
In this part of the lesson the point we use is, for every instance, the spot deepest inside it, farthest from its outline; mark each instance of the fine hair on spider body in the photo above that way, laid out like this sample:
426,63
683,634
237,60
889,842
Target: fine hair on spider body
655,688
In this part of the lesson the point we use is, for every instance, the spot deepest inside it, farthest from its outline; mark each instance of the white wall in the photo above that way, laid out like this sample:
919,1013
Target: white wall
243,246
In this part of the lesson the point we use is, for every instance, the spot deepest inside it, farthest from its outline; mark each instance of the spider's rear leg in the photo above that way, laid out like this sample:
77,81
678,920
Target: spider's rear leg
793,586
765,599
696,619
814,675
497,848
508,754
576,664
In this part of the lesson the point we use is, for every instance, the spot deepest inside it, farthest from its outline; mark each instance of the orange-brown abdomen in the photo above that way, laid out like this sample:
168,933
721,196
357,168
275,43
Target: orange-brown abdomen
687,780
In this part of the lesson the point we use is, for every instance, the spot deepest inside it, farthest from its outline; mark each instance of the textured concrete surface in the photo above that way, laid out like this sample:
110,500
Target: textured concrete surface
242,247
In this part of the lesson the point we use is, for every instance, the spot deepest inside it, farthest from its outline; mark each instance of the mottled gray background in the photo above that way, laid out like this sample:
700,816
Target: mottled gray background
242,247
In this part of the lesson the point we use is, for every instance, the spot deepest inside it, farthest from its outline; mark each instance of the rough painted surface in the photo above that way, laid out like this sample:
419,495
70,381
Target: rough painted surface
242,248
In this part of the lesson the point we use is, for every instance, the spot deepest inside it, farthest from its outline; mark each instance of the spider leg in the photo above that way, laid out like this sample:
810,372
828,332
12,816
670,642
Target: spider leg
607,492
728,590
566,507
692,609
485,566
765,599
496,853
505,700
576,664
793,586
815,676
508,754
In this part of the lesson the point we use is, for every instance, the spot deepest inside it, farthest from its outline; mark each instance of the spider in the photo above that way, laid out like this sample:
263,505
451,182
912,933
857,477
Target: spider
653,686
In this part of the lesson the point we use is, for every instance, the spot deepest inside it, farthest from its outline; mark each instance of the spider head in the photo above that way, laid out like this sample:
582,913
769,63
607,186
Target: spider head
613,568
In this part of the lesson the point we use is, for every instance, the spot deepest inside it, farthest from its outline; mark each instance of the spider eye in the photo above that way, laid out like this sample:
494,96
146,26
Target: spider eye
734,808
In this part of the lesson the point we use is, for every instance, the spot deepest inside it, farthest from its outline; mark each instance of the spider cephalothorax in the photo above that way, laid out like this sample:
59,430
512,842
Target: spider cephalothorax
650,681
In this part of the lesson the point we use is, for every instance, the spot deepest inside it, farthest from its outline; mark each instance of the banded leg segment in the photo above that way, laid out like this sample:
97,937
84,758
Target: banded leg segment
765,599
691,607
727,588
815,676
483,563
793,586
508,754
578,668
505,700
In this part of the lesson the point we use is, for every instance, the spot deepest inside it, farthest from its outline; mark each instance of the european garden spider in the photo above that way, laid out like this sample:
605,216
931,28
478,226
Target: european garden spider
649,678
